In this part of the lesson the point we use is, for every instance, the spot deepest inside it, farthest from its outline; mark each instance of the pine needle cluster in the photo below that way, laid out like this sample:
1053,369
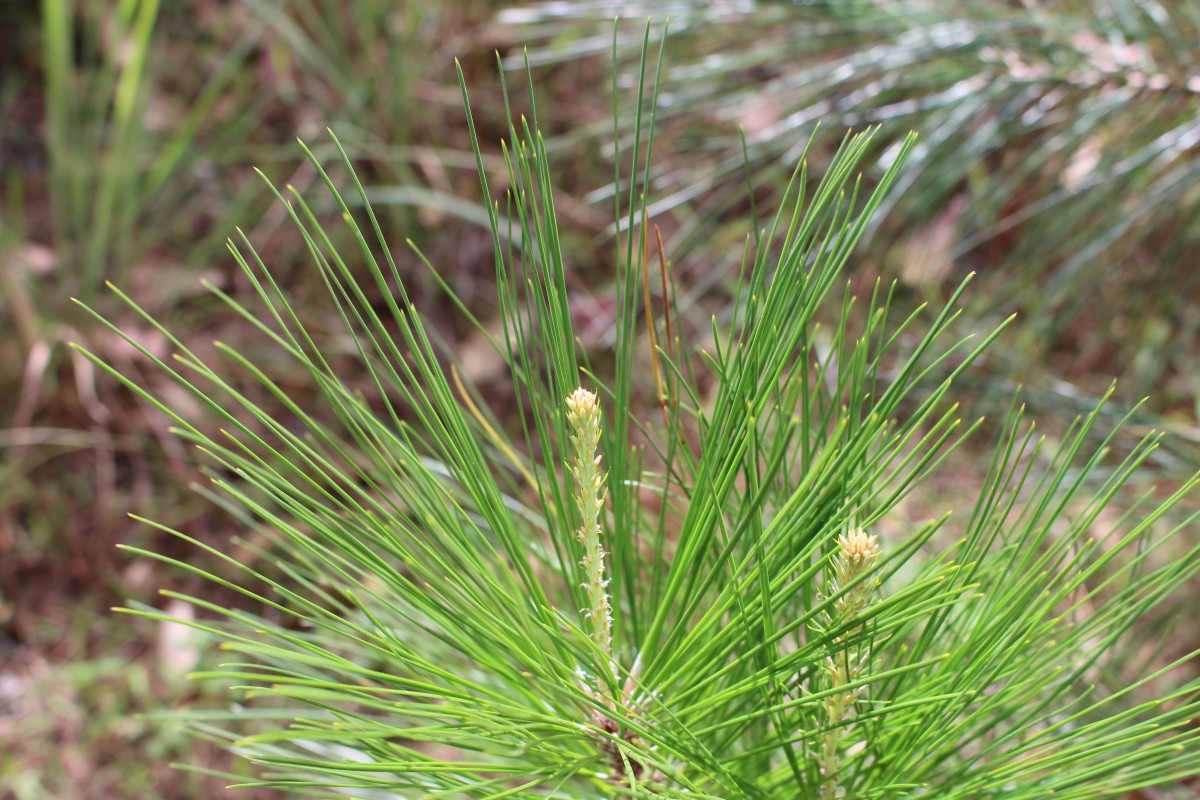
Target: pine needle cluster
712,610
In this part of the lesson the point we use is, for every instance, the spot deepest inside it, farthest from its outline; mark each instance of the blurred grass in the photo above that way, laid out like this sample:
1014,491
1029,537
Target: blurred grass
128,130
133,132
70,706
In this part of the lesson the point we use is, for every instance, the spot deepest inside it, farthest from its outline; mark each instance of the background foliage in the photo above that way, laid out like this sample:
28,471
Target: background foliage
1058,154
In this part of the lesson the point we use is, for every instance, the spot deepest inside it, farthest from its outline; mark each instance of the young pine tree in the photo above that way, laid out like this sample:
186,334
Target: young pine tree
715,598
